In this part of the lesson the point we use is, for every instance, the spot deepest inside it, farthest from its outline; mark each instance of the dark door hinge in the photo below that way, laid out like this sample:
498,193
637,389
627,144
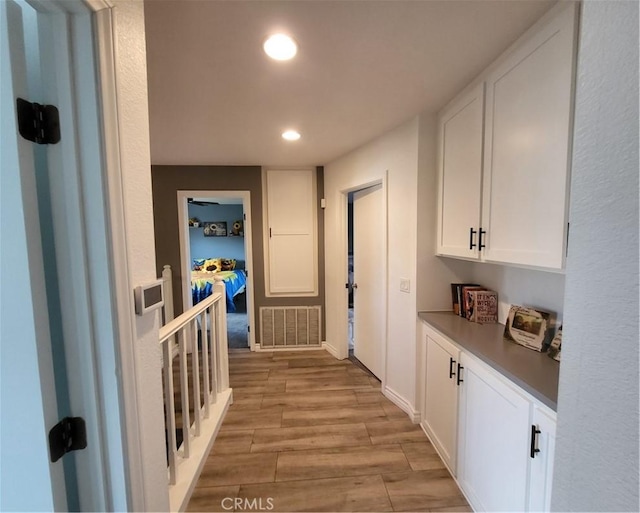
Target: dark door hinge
248,329
70,434
38,123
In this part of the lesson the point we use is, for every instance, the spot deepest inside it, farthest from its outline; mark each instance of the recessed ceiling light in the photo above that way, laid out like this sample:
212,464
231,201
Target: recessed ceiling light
291,135
280,47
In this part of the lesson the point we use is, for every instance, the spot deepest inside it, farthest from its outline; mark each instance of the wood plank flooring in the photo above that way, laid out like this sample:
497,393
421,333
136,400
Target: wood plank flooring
307,432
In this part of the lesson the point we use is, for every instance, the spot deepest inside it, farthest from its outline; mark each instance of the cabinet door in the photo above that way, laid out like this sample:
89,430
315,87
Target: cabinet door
440,418
493,436
541,454
291,234
527,149
460,175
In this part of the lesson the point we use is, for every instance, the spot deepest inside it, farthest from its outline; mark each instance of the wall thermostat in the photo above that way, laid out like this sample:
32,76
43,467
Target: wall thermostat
148,297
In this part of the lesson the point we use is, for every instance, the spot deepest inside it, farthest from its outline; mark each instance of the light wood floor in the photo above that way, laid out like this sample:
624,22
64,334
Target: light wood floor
307,432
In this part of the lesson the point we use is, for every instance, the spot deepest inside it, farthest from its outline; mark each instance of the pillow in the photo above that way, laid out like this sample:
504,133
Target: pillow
211,265
227,264
198,263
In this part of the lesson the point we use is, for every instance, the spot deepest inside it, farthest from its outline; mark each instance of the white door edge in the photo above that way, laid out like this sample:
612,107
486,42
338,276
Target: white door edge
105,485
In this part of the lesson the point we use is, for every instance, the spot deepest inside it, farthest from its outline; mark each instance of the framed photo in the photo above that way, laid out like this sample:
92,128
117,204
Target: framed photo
527,327
215,229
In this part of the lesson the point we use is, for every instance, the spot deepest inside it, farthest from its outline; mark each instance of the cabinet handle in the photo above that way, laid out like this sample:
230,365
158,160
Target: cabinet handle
459,379
480,234
534,440
472,232
451,371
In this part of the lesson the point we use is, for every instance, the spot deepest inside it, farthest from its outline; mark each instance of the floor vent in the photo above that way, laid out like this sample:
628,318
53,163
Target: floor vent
289,326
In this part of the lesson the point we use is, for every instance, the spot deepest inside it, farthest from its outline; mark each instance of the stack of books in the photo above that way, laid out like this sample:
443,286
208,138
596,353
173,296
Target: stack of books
474,302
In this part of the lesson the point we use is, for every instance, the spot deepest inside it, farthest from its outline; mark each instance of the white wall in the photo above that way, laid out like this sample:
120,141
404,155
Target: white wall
131,83
515,286
434,274
596,463
394,154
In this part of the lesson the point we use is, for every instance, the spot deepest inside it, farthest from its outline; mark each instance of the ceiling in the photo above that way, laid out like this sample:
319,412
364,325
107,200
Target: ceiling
363,67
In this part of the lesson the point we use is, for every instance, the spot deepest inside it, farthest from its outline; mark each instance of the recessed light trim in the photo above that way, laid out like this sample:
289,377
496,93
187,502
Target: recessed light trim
280,47
291,135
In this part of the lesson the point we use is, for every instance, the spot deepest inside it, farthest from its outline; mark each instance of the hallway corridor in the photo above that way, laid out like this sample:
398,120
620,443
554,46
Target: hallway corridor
307,432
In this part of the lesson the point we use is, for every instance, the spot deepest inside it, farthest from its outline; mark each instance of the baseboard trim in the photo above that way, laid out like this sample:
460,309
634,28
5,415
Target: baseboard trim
260,349
402,403
330,349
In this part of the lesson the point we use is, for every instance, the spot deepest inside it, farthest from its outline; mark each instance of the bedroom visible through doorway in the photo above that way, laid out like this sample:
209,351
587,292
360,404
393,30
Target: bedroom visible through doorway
216,247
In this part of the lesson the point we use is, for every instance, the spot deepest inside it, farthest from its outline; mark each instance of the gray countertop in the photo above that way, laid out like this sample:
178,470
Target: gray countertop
534,372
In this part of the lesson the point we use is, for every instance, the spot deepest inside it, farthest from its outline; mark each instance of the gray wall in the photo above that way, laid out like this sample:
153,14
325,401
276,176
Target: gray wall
596,465
167,180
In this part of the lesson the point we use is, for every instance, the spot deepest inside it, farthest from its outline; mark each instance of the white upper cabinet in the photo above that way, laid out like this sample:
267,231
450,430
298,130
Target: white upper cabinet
290,232
527,149
460,174
505,169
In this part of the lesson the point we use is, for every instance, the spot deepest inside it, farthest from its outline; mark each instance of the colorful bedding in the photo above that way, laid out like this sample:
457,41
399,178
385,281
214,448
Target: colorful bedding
202,285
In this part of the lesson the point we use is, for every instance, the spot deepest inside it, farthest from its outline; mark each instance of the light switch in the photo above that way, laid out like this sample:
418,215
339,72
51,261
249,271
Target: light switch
405,285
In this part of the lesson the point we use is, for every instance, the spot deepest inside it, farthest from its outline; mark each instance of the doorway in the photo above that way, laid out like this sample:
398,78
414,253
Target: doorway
215,244
366,258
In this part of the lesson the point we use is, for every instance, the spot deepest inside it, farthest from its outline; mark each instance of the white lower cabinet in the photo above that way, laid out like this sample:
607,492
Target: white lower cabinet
440,411
542,449
494,420
497,440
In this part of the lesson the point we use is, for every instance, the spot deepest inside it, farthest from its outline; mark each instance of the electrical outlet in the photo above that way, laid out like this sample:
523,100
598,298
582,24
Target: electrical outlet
405,285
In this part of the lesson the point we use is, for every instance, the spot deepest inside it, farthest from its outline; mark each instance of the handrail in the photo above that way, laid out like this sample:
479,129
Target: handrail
184,318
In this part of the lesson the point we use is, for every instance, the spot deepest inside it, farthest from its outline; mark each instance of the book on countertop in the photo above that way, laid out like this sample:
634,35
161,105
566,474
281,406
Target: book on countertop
454,298
528,327
465,289
457,299
481,306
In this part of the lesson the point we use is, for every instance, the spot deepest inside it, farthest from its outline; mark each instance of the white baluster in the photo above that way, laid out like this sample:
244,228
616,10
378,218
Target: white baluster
170,411
183,341
195,370
205,362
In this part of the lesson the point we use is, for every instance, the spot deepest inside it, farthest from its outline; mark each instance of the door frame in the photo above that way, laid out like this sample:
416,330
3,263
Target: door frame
343,306
105,32
185,250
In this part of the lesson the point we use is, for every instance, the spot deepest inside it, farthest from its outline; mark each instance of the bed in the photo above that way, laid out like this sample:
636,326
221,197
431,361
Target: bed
205,272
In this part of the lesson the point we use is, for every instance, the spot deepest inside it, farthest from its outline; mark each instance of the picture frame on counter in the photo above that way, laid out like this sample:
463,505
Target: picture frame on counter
528,327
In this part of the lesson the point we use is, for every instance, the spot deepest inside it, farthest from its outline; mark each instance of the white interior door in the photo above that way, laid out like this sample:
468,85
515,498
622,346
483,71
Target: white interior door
369,271
29,405
56,281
